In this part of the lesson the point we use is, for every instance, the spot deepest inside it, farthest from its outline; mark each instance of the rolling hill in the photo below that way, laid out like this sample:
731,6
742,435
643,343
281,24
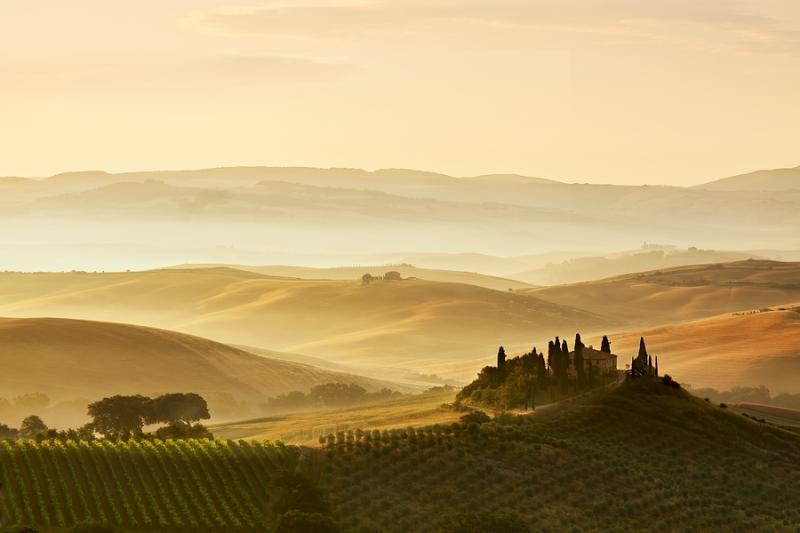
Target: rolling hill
683,293
722,352
68,359
443,328
589,268
643,456
352,273
779,179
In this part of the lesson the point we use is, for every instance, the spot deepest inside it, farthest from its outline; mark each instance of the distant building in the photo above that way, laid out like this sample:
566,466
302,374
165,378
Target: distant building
601,362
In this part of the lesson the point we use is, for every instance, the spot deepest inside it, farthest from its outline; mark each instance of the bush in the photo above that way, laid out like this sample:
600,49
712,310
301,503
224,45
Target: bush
476,417
301,522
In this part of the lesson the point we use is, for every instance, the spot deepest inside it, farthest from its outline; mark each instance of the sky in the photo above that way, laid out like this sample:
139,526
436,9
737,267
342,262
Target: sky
607,91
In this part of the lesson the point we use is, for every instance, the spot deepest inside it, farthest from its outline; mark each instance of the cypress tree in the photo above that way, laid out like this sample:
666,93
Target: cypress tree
501,358
656,366
578,362
605,346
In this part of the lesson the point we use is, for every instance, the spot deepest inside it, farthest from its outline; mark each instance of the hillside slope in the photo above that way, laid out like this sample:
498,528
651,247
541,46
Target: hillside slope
644,456
779,179
355,273
444,328
726,351
69,359
683,293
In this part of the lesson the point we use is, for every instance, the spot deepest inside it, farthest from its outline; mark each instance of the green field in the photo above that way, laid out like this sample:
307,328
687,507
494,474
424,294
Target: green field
643,456
161,485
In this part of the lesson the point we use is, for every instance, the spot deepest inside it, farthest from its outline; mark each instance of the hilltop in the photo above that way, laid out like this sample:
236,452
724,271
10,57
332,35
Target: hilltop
761,348
683,293
445,328
643,456
351,273
779,179
72,359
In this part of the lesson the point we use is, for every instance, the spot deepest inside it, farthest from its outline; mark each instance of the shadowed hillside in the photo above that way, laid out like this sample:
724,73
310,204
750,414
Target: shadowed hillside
69,359
644,456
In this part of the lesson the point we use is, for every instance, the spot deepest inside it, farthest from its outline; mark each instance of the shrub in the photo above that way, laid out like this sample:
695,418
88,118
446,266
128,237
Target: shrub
476,417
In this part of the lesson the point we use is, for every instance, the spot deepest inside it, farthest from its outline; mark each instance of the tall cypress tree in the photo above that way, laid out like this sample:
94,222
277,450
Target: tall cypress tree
501,358
578,362
605,346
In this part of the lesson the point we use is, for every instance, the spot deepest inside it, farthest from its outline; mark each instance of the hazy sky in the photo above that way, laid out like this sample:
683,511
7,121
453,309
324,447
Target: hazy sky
622,91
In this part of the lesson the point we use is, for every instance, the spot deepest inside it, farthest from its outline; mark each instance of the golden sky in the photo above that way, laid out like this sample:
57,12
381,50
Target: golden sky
612,91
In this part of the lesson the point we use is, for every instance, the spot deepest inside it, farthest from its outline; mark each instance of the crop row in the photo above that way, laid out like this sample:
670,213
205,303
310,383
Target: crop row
193,484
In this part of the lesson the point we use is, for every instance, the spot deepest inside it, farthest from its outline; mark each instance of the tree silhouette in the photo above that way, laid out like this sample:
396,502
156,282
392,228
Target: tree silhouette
605,345
31,427
501,358
578,362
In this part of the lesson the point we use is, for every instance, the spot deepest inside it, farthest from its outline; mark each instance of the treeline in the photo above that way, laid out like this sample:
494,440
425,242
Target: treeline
521,382
124,417
328,395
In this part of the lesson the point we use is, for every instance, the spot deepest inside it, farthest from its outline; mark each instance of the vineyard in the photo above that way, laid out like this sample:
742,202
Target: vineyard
156,485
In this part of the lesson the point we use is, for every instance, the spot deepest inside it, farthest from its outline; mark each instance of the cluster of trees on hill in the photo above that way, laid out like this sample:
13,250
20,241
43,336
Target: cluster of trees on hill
125,417
392,275
519,381
642,364
328,395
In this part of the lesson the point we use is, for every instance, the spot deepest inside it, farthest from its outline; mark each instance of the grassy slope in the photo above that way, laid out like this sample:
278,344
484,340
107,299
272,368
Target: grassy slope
76,358
442,327
641,457
307,427
725,351
683,293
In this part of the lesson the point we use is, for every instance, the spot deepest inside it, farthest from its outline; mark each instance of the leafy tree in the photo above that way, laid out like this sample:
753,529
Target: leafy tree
119,414
31,427
302,522
366,279
7,432
183,430
178,407
392,275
